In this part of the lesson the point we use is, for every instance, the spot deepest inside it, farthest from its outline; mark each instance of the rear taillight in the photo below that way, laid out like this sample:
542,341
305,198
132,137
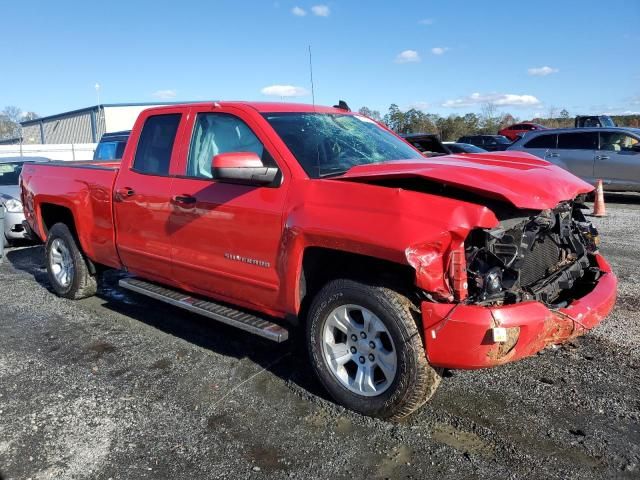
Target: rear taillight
458,273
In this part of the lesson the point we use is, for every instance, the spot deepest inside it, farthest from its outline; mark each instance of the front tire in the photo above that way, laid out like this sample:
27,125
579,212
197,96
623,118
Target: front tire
366,349
67,267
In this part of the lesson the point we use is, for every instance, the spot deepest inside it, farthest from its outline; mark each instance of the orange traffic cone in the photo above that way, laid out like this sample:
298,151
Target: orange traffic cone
599,209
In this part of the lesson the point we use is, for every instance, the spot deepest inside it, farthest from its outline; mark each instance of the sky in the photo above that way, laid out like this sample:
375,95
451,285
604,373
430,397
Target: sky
446,56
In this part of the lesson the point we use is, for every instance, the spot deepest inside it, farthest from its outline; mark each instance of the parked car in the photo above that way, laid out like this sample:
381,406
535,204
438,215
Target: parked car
269,215
428,143
513,131
491,143
454,147
111,145
585,121
2,245
610,154
10,168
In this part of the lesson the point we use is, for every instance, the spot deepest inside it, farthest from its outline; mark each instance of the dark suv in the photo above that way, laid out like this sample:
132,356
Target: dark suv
491,143
428,143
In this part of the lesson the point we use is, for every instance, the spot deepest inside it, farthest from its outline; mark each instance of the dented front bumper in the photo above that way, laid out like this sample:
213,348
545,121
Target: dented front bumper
461,336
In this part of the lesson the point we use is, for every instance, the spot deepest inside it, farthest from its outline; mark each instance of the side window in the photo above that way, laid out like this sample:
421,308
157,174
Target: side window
542,141
578,141
215,133
617,142
153,154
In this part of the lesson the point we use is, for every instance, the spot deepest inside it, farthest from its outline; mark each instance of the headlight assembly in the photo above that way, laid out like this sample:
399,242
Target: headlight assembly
13,206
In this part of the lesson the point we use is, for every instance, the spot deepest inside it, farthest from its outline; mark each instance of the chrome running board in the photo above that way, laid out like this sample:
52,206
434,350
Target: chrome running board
222,313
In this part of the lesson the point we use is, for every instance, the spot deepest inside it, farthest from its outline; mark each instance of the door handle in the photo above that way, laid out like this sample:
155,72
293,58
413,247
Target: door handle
553,155
602,157
184,199
124,192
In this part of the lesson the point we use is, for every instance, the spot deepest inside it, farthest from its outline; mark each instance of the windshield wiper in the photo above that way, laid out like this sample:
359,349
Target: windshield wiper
335,173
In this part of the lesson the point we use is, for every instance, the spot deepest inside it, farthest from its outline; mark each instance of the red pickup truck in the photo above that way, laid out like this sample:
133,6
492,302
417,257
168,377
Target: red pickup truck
266,216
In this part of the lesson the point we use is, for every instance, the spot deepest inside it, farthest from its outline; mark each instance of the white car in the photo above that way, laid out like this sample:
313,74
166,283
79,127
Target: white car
10,168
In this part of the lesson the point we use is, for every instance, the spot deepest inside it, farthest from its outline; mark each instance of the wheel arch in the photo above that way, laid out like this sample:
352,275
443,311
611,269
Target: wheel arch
52,213
320,265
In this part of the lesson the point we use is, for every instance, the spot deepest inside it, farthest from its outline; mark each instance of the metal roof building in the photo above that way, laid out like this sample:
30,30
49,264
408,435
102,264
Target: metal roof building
85,125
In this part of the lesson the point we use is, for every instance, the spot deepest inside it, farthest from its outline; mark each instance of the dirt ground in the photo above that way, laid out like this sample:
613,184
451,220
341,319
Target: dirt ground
122,387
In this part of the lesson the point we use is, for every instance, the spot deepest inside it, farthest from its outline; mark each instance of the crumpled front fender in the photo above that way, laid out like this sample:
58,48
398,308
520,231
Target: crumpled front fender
430,261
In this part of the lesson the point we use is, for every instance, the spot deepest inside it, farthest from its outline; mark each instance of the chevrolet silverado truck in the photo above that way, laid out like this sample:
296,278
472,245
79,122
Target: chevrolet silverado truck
272,217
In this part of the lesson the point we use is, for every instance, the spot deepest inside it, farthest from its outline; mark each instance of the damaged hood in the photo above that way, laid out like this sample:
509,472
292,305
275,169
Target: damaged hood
521,179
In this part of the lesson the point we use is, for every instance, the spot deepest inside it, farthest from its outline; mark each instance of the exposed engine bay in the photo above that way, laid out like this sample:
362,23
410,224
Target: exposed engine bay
545,256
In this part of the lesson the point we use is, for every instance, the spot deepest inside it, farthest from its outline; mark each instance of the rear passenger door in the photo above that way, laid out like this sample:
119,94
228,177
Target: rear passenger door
142,195
576,152
616,162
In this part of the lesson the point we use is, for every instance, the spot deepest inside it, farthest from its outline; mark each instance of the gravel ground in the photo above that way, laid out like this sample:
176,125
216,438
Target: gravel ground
119,386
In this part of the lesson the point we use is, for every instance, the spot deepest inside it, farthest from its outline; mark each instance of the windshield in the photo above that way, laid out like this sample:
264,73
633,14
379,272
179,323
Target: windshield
109,150
10,173
330,144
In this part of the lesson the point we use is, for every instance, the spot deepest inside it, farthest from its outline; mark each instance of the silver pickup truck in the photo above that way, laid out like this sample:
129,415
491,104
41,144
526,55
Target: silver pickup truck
611,154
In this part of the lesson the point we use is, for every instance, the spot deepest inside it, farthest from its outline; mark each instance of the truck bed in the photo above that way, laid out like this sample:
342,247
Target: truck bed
84,189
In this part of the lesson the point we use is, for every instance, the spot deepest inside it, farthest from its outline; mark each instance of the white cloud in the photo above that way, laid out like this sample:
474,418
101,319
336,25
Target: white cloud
284,91
498,99
298,12
426,21
321,10
164,94
408,56
542,71
439,50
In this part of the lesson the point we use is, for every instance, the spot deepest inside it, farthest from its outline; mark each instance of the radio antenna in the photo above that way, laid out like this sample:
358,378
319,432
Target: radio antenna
313,94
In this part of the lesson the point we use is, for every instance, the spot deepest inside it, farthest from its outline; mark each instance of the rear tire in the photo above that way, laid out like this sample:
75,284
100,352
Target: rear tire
354,328
67,266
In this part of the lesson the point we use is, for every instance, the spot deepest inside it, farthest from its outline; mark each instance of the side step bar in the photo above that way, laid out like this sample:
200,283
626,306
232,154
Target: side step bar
236,318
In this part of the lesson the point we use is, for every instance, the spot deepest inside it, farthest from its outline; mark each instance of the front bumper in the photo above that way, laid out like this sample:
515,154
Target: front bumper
460,336
13,227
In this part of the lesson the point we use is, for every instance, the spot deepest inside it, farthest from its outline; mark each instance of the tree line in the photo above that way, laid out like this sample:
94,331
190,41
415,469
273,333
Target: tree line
10,118
489,121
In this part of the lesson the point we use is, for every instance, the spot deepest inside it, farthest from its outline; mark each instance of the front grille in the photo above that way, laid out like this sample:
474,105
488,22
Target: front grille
544,255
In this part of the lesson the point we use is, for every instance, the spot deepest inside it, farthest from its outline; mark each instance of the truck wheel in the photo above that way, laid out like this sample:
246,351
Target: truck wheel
365,347
67,266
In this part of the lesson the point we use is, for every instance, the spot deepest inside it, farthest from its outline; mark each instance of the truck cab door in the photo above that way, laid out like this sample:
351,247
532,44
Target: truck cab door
227,237
617,161
142,194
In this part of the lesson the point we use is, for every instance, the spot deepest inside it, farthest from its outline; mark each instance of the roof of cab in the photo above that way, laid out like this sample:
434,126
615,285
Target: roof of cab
262,107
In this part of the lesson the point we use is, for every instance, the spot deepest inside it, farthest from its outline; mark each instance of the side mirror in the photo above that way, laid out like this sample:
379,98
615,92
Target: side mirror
244,168
636,147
